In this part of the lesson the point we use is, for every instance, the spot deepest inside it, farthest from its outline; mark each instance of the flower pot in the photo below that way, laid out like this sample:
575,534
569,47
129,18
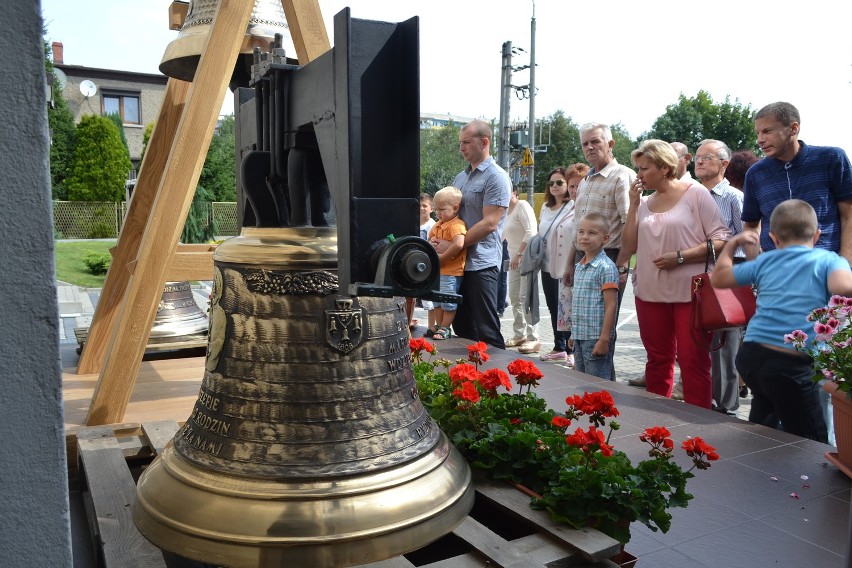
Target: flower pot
842,458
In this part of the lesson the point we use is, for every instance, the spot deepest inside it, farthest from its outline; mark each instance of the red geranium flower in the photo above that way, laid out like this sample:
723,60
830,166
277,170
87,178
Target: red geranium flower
418,345
560,422
590,441
467,391
660,440
525,372
476,353
697,449
493,378
462,373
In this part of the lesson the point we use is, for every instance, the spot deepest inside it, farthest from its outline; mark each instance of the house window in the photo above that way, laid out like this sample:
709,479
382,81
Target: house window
124,105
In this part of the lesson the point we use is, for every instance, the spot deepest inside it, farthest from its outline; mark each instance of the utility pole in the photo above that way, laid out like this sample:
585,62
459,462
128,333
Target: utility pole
503,151
531,141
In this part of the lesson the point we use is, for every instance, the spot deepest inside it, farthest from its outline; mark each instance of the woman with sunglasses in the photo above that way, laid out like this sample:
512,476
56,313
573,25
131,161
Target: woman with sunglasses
557,215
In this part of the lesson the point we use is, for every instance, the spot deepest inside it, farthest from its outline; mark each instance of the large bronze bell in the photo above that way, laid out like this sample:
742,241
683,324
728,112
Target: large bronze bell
308,444
184,52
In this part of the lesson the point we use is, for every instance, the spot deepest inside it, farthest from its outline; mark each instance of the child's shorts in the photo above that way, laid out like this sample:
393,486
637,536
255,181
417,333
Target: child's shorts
449,284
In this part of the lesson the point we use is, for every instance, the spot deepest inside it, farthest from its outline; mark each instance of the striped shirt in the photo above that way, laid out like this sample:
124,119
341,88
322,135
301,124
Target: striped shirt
606,192
590,280
730,202
820,175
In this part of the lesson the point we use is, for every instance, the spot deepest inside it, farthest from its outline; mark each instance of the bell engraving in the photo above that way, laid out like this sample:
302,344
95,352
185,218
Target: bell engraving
343,328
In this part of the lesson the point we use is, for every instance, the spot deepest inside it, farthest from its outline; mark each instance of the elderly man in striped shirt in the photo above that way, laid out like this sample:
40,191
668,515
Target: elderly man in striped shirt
711,159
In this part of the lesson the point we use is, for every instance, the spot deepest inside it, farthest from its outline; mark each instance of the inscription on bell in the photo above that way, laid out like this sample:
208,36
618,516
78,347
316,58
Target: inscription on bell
198,441
215,425
399,363
208,400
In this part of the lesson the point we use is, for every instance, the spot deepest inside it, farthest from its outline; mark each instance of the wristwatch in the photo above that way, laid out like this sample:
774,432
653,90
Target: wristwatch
679,258
622,270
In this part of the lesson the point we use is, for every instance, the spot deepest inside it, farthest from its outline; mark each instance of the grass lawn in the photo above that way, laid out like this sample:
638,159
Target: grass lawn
68,257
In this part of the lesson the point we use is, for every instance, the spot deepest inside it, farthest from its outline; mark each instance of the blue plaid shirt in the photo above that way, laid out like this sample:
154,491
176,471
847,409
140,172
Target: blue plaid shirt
820,175
590,280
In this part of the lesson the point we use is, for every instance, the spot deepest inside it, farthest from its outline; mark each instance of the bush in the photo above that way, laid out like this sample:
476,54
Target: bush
98,262
100,164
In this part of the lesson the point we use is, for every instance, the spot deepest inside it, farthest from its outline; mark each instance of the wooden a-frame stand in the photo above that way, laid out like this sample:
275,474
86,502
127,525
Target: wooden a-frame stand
147,253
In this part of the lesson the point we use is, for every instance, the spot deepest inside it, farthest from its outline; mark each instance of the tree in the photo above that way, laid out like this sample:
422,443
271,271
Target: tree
60,120
199,228
563,149
624,145
692,120
440,160
100,164
218,176
146,137
116,119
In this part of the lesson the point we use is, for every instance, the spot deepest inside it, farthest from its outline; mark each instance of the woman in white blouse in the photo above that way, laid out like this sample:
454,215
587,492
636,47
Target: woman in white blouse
557,215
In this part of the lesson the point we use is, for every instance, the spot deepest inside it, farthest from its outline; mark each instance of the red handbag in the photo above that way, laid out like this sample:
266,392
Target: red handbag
718,309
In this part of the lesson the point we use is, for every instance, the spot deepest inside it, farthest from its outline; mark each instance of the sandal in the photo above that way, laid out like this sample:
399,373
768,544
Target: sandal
429,332
442,333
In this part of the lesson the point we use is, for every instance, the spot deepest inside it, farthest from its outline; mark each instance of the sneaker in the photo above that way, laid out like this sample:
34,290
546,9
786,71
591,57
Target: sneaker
677,391
555,357
640,382
530,347
570,360
516,342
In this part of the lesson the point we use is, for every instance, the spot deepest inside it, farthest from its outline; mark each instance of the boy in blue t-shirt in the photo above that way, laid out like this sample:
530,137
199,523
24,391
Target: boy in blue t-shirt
792,280
594,307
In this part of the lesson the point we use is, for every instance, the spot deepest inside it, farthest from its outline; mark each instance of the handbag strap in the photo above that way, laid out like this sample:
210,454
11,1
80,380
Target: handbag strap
558,213
711,254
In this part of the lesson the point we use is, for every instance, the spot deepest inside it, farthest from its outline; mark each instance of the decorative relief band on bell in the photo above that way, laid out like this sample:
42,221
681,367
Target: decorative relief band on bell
264,281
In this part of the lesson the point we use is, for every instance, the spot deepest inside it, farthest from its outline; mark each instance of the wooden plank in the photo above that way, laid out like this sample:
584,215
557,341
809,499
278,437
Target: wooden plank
307,28
190,266
160,433
126,249
497,549
590,543
174,196
113,493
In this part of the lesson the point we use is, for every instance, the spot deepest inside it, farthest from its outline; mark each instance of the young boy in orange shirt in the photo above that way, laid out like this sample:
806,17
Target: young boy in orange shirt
449,228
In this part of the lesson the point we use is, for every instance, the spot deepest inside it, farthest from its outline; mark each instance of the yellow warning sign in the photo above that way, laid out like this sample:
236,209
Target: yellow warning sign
527,161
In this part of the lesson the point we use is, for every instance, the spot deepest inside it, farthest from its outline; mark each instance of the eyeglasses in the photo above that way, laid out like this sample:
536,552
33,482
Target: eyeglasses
559,182
699,159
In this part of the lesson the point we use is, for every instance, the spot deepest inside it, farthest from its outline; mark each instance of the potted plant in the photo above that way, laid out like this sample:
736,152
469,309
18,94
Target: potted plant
831,349
570,468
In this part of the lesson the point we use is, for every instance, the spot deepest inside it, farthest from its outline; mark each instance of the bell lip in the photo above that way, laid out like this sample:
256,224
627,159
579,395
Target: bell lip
297,488
285,247
182,55
384,521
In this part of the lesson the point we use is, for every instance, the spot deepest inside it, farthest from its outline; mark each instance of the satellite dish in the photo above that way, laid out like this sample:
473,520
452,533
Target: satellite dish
88,88
60,77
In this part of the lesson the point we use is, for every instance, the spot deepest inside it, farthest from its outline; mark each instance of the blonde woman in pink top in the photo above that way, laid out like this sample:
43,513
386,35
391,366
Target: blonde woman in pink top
669,230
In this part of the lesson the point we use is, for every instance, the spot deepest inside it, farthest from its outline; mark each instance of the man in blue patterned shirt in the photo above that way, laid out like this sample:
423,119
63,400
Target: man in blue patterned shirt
819,175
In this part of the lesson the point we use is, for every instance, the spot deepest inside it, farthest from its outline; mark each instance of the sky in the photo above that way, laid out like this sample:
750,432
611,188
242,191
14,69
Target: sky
611,62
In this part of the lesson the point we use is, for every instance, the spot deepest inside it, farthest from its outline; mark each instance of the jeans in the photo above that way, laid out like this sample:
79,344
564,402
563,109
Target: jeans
785,397
597,365
550,286
726,381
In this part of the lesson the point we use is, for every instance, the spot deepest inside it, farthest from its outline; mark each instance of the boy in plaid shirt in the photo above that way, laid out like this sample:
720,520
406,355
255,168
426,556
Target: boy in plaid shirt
595,303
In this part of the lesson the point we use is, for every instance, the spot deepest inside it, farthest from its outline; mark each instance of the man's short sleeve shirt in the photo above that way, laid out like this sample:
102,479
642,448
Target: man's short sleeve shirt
486,184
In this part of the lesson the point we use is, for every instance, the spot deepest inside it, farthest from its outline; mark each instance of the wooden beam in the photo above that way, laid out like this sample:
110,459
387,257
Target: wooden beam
190,266
174,196
127,247
307,28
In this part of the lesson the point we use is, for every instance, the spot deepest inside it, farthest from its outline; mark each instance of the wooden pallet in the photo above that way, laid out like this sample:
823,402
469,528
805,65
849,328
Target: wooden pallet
501,530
